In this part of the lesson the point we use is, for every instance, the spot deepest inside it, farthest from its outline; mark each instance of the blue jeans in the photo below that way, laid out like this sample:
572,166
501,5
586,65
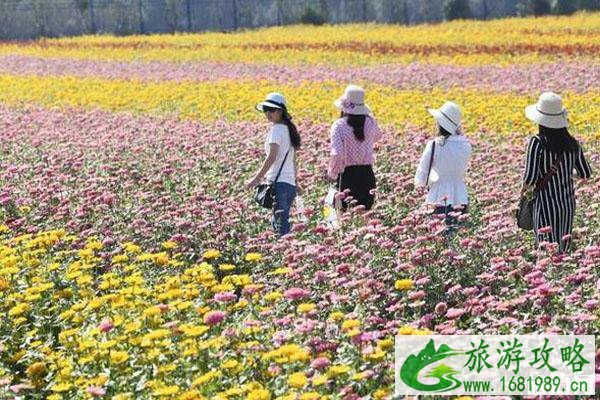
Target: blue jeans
284,197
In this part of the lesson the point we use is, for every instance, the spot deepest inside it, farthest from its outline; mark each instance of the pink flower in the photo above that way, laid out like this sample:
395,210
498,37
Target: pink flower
214,317
320,363
454,313
225,297
96,391
163,307
296,293
591,304
545,229
441,308
106,325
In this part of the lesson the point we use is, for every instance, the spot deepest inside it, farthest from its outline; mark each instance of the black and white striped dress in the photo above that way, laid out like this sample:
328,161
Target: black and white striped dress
555,204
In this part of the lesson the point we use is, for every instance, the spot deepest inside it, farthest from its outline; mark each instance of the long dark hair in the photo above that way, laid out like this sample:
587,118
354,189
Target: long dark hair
443,132
287,120
294,135
558,140
357,122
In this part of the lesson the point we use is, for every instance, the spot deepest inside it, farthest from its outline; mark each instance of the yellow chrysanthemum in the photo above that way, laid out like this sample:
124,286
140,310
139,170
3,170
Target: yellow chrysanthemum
253,257
297,380
404,284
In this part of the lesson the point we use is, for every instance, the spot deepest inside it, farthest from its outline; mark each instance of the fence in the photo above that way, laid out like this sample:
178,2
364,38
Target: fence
27,19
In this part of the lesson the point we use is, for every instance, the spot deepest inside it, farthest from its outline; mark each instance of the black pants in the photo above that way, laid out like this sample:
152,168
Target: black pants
446,210
360,180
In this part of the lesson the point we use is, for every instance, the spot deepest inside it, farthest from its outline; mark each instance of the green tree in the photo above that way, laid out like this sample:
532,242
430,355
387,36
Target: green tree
590,5
457,9
541,7
564,7
312,16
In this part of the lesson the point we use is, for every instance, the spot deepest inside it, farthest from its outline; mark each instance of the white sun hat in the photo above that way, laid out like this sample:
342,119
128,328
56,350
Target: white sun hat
548,111
273,100
353,101
448,116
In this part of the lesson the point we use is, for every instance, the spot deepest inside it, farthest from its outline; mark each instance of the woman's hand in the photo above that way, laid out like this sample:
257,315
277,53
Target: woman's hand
327,178
252,183
299,190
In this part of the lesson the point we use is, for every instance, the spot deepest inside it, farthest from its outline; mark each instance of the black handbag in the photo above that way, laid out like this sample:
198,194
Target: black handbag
265,192
526,205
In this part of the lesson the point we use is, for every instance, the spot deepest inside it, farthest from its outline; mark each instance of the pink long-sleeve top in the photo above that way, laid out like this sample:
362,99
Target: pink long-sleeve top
346,150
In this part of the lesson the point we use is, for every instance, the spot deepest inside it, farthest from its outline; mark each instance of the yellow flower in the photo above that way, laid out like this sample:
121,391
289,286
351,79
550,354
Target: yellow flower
19,309
359,376
226,267
377,355
120,259
253,257
336,315
207,377
350,324
210,254
404,284
306,307
193,331
61,387
118,357
310,396
297,380
380,394
161,258
336,370
229,364
273,296
191,395
259,394
169,244
406,330
166,390
132,248
319,380
37,369
385,344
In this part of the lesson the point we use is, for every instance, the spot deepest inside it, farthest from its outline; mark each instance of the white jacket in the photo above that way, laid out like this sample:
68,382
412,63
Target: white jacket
450,163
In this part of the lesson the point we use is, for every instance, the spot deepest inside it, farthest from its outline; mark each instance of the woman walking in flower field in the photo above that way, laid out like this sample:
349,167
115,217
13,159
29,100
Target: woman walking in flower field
444,164
352,139
279,167
552,155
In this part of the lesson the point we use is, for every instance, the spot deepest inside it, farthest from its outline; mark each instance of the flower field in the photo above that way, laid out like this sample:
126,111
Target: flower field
134,265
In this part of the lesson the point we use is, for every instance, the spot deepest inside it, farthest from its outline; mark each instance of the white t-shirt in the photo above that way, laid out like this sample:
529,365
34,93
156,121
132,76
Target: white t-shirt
280,135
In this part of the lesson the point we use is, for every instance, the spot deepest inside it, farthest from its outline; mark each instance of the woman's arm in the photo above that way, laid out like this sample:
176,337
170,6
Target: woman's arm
271,157
423,168
530,177
336,159
582,166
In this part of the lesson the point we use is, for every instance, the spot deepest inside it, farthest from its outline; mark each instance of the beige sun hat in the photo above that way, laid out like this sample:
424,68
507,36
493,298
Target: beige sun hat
448,116
273,100
353,101
548,111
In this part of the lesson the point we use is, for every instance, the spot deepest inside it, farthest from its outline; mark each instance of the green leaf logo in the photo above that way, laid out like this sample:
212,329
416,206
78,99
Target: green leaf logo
413,365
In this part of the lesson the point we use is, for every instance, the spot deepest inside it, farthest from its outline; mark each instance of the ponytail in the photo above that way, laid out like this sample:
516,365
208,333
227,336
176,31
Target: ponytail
294,135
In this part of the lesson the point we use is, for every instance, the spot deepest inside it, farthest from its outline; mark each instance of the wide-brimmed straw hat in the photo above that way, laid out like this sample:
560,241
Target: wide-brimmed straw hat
353,101
548,111
448,116
273,100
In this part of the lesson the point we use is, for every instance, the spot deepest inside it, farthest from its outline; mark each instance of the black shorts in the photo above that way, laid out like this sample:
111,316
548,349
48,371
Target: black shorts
360,180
